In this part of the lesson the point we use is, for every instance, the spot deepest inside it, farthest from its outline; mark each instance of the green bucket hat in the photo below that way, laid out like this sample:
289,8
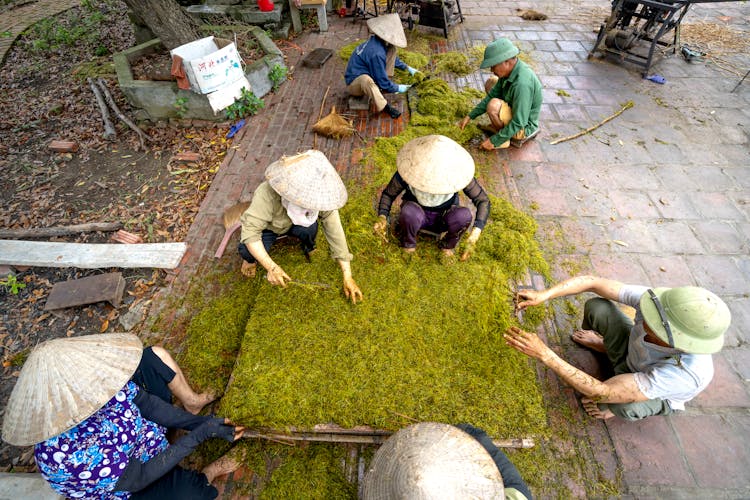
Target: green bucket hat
695,318
498,51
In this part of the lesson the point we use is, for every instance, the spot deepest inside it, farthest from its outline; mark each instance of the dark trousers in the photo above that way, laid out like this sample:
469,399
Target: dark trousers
603,316
453,222
178,483
153,376
306,236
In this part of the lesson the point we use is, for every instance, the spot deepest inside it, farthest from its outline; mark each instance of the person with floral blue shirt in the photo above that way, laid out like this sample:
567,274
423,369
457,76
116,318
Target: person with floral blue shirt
118,449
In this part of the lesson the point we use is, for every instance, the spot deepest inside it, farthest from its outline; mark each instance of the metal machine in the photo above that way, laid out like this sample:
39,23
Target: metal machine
440,14
637,28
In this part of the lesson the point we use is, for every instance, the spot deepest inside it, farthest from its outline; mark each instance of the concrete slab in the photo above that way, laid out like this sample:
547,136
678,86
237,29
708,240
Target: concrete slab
713,443
16,486
726,390
107,287
647,451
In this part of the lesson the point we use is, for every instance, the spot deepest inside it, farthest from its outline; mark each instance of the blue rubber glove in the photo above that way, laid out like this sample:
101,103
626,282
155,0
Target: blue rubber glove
411,70
403,88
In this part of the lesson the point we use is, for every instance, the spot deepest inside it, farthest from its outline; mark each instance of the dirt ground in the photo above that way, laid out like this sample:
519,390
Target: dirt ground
44,96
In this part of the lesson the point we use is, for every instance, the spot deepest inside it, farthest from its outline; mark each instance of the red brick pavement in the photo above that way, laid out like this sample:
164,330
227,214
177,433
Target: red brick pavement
284,127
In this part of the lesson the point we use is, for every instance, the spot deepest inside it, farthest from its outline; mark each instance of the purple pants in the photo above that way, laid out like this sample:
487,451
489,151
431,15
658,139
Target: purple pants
453,222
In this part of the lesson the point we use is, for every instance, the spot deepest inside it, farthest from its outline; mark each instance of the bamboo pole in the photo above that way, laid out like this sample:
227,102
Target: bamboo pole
333,434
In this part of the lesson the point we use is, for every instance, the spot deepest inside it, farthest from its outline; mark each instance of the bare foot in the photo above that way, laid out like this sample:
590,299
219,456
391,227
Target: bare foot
589,338
248,269
409,250
448,252
200,400
221,466
593,409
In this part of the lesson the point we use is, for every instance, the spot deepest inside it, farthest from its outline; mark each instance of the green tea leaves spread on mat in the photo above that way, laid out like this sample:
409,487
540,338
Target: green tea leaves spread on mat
426,342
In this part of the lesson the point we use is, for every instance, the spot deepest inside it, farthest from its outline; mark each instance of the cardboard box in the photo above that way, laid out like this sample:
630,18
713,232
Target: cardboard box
208,67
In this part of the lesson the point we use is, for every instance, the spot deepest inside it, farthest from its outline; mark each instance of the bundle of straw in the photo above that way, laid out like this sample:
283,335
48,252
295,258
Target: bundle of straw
334,125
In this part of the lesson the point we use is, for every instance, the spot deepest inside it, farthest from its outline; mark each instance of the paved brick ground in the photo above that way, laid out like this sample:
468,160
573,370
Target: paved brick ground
657,196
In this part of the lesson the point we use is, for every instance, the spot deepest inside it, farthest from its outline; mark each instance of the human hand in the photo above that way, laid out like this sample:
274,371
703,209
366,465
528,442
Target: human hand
351,290
277,276
239,430
403,88
525,342
412,70
381,226
462,124
487,145
526,298
471,243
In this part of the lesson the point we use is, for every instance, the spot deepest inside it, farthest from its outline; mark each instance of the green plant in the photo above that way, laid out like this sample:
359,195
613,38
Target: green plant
277,75
12,284
49,34
180,104
247,104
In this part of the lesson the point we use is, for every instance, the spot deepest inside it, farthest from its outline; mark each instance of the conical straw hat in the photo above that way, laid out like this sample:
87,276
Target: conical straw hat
431,460
307,180
389,28
435,164
65,381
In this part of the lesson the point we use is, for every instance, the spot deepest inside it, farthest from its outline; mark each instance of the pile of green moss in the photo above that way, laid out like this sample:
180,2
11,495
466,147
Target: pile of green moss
425,344
427,340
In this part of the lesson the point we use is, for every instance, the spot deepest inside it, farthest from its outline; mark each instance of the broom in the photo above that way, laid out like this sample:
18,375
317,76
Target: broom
334,125
231,220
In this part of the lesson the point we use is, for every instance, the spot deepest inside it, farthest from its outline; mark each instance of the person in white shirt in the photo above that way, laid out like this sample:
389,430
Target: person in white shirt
660,360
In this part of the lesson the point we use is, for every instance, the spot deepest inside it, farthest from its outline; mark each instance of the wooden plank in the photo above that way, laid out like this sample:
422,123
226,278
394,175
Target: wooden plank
91,255
106,287
48,232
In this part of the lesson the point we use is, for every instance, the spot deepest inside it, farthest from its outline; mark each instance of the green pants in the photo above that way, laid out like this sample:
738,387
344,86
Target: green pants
603,316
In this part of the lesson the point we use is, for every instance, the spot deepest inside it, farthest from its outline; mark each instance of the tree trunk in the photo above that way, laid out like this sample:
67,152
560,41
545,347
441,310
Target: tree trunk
167,20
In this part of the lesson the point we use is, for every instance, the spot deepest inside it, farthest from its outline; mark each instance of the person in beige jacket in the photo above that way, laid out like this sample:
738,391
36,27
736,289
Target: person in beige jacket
298,192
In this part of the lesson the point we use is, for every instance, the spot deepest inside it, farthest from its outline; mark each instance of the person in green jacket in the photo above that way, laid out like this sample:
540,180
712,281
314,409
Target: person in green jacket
514,97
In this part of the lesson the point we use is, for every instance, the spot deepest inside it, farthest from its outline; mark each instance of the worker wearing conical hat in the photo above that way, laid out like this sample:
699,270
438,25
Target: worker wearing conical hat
371,65
431,171
298,192
99,433
431,460
514,97
661,359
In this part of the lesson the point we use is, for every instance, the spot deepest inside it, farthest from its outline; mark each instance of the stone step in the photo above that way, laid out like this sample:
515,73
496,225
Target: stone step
14,486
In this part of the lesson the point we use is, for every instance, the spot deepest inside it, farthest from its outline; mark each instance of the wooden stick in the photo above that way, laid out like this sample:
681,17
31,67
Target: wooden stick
320,114
334,434
141,134
404,416
46,232
627,105
109,129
